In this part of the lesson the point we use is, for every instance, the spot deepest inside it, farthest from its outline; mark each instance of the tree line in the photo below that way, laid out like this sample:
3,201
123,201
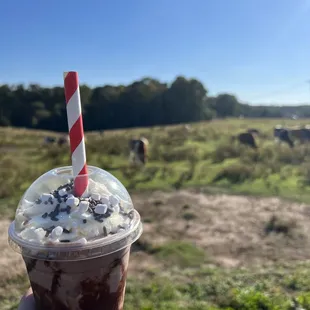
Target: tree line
146,102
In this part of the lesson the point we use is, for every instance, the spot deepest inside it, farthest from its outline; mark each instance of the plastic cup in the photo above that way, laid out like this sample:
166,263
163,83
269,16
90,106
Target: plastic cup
73,276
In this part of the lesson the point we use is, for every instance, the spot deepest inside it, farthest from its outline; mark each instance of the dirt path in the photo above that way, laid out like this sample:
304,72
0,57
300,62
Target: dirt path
231,229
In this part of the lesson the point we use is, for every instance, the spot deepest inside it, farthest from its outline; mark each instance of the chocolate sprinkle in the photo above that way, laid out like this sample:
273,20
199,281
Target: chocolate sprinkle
84,221
64,240
107,214
55,219
45,215
57,210
68,209
49,230
99,217
61,187
66,231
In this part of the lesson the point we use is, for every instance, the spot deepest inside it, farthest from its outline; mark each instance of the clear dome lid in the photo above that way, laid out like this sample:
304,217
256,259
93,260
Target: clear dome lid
50,214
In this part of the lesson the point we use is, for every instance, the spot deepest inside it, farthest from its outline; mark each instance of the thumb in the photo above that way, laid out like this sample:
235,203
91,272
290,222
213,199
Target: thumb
27,301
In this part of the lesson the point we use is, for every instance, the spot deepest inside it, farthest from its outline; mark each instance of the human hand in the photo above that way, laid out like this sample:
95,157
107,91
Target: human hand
27,301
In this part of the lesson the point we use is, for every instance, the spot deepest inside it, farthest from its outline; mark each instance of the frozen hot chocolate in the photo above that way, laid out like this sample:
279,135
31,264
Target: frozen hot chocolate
76,249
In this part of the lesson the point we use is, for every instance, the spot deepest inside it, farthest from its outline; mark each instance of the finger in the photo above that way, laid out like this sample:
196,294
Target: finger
27,301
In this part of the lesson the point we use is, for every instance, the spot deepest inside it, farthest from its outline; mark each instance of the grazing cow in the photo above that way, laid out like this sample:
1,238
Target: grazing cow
246,138
283,135
307,133
253,131
293,134
300,134
138,150
276,131
64,140
49,140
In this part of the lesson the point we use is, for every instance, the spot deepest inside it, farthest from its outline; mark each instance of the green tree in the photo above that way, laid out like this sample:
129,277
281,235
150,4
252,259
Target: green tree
226,105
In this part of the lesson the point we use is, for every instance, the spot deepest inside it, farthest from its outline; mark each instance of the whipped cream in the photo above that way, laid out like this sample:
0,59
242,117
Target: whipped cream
60,217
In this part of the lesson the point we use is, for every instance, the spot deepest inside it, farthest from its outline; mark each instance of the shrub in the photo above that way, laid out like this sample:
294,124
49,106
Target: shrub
250,299
224,151
305,174
304,300
234,174
181,153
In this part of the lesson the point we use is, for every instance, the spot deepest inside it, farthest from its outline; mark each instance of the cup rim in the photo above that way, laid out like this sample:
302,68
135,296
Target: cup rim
93,248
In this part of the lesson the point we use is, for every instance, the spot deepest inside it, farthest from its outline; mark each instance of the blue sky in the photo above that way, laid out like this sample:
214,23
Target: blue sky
256,49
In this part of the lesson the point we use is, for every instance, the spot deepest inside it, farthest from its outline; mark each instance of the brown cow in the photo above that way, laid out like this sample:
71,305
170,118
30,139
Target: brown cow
300,134
64,140
49,140
138,150
289,135
254,131
246,138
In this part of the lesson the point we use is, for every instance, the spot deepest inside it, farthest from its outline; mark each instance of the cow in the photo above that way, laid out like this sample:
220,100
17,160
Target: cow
300,134
246,138
138,150
276,131
253,131
49,140
64,140
282,134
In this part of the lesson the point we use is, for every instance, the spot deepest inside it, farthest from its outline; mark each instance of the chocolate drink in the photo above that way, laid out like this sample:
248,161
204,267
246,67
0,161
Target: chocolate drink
76,249
95,284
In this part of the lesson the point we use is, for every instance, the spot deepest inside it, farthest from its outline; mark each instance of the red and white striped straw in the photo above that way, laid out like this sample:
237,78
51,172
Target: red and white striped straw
76,132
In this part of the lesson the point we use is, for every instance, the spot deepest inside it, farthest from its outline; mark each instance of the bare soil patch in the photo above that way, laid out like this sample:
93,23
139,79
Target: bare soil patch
233,230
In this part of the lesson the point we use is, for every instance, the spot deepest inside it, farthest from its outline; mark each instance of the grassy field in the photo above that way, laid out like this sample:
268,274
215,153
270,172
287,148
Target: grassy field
239,253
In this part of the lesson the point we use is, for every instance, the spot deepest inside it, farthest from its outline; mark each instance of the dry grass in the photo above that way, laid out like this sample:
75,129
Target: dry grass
233,233
11,263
